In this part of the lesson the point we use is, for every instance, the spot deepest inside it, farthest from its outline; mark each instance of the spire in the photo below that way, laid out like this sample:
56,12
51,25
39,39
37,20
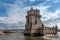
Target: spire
31,8
55,25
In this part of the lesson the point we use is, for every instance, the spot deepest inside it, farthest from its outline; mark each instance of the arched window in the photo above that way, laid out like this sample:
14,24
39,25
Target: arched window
31,24
28,21
35,21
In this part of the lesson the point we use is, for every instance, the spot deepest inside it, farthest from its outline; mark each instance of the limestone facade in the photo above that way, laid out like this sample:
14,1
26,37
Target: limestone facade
50,30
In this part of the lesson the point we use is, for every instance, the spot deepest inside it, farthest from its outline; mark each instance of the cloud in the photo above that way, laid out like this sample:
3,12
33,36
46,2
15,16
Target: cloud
32,0
56,1
53,23
47,0
51,15
54,15
3,19
53,1
58,24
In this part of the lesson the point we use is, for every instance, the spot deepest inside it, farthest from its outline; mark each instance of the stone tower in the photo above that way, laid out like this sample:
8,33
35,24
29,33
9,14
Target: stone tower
34,24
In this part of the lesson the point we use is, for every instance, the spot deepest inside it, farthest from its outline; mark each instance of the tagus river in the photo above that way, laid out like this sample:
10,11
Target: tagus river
20,36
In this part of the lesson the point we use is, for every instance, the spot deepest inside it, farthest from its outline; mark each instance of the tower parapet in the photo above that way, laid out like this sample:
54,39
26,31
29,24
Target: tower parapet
33,12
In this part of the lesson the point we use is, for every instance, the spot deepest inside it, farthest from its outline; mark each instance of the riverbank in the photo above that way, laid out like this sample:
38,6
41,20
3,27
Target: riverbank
1,33
49,36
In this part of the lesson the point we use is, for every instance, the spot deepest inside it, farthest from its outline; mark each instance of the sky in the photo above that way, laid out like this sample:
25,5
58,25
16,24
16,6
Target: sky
13,12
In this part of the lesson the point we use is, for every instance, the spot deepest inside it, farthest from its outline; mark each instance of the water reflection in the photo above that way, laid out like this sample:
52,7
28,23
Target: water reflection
20,36
34,38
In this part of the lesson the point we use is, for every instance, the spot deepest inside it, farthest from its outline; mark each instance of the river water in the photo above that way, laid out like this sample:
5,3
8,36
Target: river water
20,36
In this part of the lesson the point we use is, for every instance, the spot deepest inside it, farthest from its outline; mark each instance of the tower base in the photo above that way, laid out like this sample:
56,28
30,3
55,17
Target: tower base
33,34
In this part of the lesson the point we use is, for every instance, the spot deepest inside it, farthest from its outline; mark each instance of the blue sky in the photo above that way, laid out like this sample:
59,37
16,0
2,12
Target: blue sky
14,11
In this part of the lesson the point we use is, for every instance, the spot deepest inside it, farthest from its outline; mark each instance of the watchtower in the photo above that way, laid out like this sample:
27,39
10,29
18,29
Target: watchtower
34,24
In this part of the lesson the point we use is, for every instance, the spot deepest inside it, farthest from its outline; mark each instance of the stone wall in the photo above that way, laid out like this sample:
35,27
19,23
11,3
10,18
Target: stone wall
49,30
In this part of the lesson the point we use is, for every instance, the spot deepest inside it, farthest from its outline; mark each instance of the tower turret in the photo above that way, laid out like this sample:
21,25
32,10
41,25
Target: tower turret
56,28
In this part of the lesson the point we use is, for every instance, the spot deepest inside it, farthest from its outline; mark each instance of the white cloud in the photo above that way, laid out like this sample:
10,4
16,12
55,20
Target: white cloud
58,24
55,14
53,24
3,19
32,0
47,0
56,1
53,1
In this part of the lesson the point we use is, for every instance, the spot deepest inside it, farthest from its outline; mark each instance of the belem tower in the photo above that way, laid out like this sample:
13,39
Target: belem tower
34,25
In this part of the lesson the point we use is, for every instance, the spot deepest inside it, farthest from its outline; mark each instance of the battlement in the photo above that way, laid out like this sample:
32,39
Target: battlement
33,11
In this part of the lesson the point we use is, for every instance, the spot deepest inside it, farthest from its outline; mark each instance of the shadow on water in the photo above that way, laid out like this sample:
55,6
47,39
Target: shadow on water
34,38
